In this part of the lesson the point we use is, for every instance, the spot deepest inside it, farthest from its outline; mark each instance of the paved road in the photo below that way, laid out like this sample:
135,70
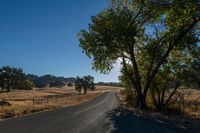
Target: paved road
101,115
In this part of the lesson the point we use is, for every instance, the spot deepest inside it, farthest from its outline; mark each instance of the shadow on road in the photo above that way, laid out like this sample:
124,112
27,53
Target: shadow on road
125,121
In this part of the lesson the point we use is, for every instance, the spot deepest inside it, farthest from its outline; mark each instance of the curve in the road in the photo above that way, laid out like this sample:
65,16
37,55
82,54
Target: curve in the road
101,115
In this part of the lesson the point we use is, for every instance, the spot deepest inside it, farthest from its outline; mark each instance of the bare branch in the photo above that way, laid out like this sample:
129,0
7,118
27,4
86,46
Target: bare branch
169,98
154,53
135,17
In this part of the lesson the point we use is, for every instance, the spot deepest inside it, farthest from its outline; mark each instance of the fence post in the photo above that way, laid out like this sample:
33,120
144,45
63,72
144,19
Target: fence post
2,103
33,101
47,100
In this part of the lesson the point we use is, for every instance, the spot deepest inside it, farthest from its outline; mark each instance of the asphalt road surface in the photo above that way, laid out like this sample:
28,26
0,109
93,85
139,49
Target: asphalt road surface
101,115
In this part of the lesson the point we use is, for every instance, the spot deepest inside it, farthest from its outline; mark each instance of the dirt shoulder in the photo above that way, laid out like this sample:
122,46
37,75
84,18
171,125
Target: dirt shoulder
177,121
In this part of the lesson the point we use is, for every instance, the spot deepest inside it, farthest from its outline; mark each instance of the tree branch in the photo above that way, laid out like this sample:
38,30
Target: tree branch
176,87
154,53
135,67
163,58
131,78
135,17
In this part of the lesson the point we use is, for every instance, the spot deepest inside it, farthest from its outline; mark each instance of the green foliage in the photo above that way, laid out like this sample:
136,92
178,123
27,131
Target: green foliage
148,36
124,79
191,74
106,39
85,83
163,88
27,85
58,84
130,96
69,84
116,84
13,78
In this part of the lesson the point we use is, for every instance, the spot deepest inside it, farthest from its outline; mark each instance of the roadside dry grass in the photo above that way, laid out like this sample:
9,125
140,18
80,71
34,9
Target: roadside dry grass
19,108
187,118
28,94
22,100
188,102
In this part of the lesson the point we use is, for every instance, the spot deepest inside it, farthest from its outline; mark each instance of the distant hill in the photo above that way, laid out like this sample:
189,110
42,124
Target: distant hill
49,80
46,80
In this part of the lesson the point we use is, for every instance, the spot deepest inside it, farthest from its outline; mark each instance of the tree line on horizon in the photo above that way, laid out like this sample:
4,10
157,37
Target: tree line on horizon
15,79
50,80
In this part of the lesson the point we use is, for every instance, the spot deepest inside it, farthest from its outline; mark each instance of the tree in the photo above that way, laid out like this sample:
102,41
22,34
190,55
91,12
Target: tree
85,83
195,71
142,34
164,86
58,84
69,84
191,74
13,78
27,85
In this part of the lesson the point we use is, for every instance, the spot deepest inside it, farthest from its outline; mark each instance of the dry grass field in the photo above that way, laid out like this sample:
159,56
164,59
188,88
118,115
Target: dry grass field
191,102
185,100
29,101
192,93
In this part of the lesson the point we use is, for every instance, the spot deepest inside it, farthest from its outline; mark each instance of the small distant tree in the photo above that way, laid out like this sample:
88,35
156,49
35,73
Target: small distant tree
14,78
69,84
28,85
58,84
85,83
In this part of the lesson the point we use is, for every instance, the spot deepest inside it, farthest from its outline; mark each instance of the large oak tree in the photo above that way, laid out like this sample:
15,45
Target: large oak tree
14,78
142,34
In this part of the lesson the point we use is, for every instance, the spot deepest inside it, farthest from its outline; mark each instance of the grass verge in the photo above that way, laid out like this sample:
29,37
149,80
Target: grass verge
16,110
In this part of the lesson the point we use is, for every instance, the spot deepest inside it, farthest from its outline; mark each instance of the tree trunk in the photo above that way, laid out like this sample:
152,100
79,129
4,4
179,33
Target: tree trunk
198,84
143,105
85,90
197,81
134,83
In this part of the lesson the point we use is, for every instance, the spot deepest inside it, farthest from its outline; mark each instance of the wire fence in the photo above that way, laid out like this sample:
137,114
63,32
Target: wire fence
48,100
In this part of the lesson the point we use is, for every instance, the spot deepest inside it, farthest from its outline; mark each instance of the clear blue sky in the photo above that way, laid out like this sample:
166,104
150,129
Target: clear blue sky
40,36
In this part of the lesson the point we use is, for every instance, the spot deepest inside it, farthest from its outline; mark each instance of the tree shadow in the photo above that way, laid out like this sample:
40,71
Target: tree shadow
125,121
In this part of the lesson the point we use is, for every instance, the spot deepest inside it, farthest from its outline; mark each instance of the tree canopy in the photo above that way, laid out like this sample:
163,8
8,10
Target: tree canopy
191,74
85,83
58,84
14,78
144,35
